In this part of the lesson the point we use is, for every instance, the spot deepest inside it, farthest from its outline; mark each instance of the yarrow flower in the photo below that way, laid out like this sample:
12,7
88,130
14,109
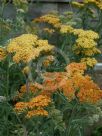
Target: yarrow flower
85,43
27,47
77,4
51,19
66,29
89,61
97,3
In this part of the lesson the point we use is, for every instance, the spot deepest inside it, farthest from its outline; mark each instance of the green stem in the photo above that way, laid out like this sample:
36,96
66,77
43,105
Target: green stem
70,120
27,85
7,81
1,16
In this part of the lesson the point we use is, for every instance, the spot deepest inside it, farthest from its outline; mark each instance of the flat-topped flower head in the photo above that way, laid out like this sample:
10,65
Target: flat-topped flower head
74,68
39,112
98,3
39,101
34,107
27,47
51,19
89,61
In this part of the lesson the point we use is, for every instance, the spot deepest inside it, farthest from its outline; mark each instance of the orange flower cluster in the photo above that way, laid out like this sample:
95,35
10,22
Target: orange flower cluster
82,86
32,88
39,101
73,83
91,95
74,68
34,107
52,82
21,107
40,112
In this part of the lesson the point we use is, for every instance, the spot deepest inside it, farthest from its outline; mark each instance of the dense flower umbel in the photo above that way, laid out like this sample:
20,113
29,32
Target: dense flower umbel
89,61
39,101
77,4
3,53
83,85
66,29
34,107
39,112
97,3
21,107
74,68
91,95
73,83
85,43
50,19
27,47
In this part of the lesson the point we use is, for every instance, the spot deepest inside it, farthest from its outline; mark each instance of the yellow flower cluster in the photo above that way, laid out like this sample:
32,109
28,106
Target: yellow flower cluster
89,61
27,47
85,42
98,3
66,29
2,54
35,107
77,4
51,19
